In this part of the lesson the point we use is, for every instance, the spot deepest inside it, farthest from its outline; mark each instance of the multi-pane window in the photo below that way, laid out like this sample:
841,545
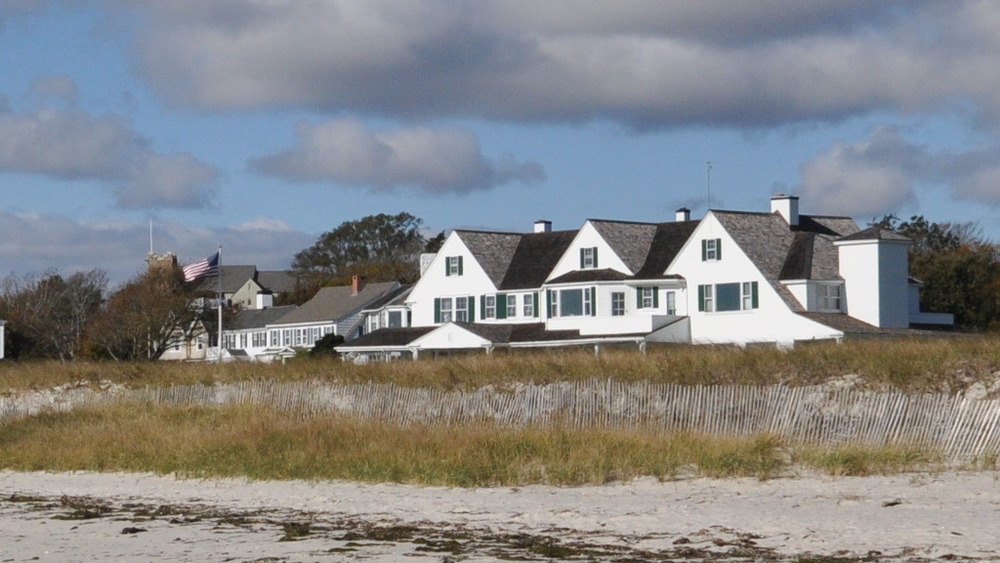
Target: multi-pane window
489,306
647,297
447,310
671,303
453,309
528,305
572,302
617,303
511,306
711,250
453,265
588,257
829,297
727,297
706,298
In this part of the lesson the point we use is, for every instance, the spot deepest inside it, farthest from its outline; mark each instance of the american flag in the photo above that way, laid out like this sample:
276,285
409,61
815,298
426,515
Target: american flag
207,267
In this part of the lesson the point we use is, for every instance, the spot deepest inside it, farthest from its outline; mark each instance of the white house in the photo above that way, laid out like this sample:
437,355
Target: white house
269,333
733,277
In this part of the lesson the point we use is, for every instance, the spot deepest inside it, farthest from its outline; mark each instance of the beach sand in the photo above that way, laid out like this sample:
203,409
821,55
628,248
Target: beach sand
86,516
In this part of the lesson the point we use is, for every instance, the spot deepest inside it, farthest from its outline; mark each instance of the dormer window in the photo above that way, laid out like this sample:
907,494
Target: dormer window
453,266
828,297
711,250
588,258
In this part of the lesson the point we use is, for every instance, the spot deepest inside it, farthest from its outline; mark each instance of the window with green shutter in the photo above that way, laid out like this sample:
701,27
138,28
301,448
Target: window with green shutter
711,250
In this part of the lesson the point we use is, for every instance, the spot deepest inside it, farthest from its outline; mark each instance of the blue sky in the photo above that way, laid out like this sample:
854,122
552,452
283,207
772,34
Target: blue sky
258,125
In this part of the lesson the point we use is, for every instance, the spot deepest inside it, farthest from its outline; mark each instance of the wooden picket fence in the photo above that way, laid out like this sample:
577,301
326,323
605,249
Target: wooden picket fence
961,428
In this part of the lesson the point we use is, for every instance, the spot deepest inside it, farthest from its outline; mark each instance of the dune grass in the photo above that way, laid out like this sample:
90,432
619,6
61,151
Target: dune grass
240,441
941,365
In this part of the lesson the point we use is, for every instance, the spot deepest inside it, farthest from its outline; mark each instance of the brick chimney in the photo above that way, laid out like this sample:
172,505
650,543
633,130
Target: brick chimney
357,284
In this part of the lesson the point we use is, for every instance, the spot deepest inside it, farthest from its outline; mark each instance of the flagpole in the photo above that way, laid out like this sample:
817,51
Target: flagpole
219,337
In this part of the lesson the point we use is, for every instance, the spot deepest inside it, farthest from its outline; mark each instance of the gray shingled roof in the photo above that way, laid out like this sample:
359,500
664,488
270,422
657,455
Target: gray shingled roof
493,251
802,252
276,281
630,241
536,256
335,303
233,278
875,233
667,242
258,318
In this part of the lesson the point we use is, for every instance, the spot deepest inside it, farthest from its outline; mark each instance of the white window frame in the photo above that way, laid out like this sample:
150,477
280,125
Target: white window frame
454,266
511,306
528,305
746,296
489,306
671,299
617,303
588,254
709,298
646,297
447,309
461,310
711,250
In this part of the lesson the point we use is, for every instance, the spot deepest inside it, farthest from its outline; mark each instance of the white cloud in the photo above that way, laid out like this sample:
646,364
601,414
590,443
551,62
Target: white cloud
435,160
878,175
646,64
75,145
34,243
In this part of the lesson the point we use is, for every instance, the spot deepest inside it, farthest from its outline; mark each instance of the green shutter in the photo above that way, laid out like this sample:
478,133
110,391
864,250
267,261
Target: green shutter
447,266
437,310
718,249
472,309
753,297
593,296
460,265
704,250
501,305
534,304
482,307
595,257
548,303
656,298
701,298
638,298
581,258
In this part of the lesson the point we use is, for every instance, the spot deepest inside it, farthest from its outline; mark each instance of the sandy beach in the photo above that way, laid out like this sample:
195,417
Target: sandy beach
140,517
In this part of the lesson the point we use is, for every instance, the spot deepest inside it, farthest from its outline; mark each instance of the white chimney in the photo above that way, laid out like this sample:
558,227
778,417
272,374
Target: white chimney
264,300
788,207
683,214
543,226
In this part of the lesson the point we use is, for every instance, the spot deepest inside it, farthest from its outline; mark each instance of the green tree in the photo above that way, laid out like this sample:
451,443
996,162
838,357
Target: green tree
379,247
960,270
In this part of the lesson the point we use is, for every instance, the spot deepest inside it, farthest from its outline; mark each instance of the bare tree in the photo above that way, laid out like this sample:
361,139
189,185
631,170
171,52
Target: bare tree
49,313
145,316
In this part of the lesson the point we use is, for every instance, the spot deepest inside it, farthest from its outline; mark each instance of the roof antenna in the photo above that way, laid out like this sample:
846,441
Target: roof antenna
708,178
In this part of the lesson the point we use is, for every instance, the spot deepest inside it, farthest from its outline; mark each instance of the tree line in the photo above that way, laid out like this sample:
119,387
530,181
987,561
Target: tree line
79,316
52,316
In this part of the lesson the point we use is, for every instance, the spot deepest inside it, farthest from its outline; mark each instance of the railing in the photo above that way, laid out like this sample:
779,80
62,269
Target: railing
961,428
